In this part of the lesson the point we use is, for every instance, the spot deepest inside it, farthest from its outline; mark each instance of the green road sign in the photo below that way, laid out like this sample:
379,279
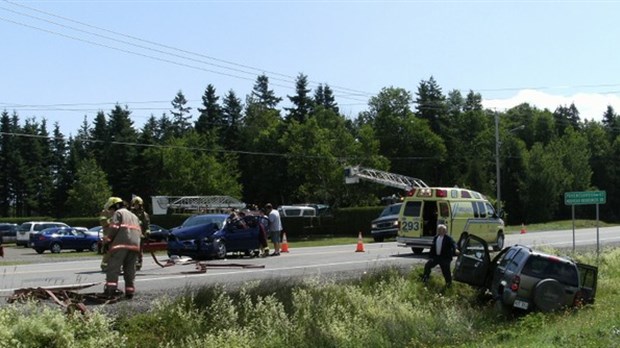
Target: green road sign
585,197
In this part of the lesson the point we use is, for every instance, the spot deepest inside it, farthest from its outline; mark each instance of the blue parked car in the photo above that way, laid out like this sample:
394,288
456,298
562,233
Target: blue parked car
218,235
56,239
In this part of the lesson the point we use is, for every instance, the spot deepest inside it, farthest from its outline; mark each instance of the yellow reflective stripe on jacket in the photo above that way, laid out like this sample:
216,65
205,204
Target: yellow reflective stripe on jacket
131,227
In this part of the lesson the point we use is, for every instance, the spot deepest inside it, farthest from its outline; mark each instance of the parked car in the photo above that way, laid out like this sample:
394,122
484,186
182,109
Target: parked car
57,239
158,233
524,279
8,233
386,225
24,230
215,236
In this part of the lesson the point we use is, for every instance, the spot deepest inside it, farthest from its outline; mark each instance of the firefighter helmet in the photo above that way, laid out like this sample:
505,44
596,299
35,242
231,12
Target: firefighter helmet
137,200
111,201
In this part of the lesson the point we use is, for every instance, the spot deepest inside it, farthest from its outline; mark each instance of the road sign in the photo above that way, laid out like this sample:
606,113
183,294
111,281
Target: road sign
585,197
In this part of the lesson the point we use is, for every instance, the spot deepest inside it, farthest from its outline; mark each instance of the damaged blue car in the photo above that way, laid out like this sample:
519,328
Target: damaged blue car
217,235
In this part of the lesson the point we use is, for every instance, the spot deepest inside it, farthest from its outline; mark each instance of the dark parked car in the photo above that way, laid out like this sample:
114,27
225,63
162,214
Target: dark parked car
214,236
57,239
8,233
386,225
521,278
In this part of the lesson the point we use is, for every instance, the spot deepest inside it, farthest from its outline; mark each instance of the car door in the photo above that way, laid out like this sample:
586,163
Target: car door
69,238
588,276
472,264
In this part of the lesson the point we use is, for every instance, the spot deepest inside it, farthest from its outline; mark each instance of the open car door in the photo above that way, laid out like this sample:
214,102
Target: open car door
589,277
472,265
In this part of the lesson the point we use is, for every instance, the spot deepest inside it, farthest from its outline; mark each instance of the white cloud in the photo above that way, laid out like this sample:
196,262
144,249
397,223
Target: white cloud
591,106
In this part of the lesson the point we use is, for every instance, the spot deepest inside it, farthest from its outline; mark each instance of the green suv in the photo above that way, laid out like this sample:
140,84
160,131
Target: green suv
521,278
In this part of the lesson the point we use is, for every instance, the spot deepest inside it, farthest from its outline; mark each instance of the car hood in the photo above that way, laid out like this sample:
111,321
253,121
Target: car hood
385,218
194,232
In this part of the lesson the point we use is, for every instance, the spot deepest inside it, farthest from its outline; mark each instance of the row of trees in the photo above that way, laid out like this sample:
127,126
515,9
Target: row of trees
257,152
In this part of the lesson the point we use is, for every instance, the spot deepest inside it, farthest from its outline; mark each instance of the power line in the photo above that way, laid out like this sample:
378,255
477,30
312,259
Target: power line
350,92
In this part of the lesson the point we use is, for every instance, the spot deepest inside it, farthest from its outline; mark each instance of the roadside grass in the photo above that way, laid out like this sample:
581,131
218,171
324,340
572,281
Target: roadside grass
558,225
387,307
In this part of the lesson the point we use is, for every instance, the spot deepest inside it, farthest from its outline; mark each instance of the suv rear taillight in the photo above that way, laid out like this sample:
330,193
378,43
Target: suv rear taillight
514,284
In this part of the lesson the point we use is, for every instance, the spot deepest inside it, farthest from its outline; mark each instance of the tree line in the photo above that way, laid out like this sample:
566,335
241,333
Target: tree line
258,152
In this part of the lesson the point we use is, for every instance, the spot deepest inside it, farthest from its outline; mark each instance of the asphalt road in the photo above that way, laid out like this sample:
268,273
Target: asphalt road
306,263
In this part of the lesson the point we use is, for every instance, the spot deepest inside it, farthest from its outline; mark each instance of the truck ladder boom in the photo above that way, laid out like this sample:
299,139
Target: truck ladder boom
354,174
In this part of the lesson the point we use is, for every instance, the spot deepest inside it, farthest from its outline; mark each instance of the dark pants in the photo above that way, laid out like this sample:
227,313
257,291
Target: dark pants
445,268
126,260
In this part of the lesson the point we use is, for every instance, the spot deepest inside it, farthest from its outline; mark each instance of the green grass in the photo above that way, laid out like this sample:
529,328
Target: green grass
558,225
387,307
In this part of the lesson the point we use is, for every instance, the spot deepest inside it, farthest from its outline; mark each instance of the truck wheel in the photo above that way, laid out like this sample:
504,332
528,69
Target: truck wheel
39,251
548,294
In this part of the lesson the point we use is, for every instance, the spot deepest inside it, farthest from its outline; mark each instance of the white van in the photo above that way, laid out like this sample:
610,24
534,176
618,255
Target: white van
24,230
296,211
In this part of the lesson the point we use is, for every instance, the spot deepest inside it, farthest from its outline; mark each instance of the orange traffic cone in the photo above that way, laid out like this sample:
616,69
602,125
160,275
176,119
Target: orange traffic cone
284,245
360,244
523,231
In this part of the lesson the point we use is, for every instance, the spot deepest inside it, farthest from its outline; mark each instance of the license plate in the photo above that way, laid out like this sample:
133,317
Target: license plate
520,304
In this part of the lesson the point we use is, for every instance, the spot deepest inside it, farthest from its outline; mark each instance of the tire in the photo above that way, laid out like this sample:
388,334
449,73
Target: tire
499,242
39,251
93,247
417,251
79,250
378,239
548,294
221,250
55,248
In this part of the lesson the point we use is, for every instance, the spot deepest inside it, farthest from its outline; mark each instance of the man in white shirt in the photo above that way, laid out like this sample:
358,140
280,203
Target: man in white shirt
443,249
275,227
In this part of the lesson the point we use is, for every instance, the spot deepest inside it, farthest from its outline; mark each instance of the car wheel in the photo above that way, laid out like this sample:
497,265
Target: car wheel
39,251
93,247
417,251
378,239
548,294
499,242
221,250
55,248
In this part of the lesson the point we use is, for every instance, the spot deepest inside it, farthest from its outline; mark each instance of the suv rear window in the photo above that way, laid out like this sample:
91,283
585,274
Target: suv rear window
542,267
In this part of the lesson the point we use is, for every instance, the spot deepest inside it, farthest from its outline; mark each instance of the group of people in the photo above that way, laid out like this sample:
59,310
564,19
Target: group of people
125,227
274,230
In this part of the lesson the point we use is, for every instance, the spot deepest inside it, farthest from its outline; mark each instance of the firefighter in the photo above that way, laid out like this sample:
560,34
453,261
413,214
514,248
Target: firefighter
137,207
104,221
123,235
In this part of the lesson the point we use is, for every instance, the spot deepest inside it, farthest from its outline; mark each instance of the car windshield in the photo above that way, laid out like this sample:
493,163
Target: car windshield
390,210
204,219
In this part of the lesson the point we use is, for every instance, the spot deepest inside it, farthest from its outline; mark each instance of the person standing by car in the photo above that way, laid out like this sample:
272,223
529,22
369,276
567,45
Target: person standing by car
443,250
137,207
275,227
123,233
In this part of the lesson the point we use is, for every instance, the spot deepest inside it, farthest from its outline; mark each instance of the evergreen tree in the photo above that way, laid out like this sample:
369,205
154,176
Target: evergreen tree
10,160
210,121
324,96
121,153
232,113
180,115
302,103
611,122
63,178
431,105
262,95
165,128
566,117
473,102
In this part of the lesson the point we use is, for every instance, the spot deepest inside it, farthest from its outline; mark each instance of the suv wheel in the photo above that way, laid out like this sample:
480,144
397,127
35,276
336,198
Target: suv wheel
548,295
417,251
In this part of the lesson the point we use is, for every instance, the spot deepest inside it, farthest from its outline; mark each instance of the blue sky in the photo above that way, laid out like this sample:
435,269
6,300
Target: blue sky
64,60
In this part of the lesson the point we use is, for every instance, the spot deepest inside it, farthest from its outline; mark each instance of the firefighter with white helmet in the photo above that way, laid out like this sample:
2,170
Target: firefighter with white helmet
137,207
123,235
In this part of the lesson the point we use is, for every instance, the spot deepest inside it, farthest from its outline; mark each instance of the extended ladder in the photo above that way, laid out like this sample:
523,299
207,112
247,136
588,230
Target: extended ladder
352,175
